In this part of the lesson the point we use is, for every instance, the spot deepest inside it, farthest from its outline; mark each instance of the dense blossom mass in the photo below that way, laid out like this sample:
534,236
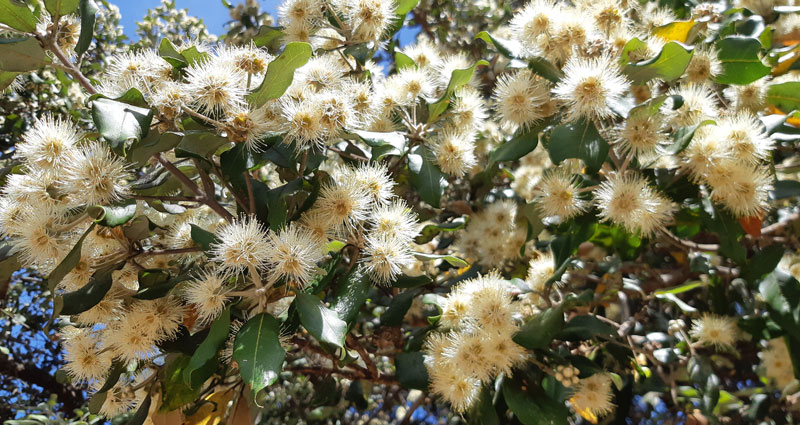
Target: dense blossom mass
518,223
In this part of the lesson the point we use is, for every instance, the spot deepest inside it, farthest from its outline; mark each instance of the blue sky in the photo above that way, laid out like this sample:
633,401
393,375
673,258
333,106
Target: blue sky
213,13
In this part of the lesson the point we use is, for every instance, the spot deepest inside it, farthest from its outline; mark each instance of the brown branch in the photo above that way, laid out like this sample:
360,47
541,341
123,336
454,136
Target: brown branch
684,244
248,180
354,376
167,198
209,197
781,225
69,67
373,370
349,155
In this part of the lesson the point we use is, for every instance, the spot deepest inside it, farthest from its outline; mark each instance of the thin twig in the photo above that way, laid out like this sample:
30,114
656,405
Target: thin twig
169,251
69,66
250,197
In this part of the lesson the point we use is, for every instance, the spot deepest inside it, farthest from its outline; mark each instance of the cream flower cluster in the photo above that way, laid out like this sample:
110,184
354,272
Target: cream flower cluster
481,317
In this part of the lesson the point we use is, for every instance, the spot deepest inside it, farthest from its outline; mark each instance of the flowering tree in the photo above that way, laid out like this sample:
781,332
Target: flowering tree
537,217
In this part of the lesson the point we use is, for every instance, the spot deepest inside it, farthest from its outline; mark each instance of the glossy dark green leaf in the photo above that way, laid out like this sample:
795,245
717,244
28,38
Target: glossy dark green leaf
280,73
411,370
89,295
683,136
668,65
483,411
118,122
61,7
207,350
426,176
581,328
88,11
740,60
578,139
763,262
176,393
142,412
258,352
783,189
522,143
729,232
202,237
159,289
351,294
321,322
199,144
393,316
154,143
69,262
17,15
21,54
533,409
112,215
541,329
458,78
382,144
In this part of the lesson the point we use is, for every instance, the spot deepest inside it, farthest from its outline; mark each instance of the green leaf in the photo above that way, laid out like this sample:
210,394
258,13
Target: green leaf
680,288
88,10
142,412
61,7
740,61
522,143
763,262
633,45
682,136
452,260
458,78
426,176
170,53
193,55
258,352
154,143
729,232
783,189
174,391
114,215
400,12
578,139
69,262
207,350
117,368
393,316
668,65
21,54
118,122
784,96
267,36
533,409
401,60
280,73
199,144
585,327
482,411
6,78
382,143
541,329
411,371
17,15
506,47
351,294
320,321
542,67
89,295
431,230
202,237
